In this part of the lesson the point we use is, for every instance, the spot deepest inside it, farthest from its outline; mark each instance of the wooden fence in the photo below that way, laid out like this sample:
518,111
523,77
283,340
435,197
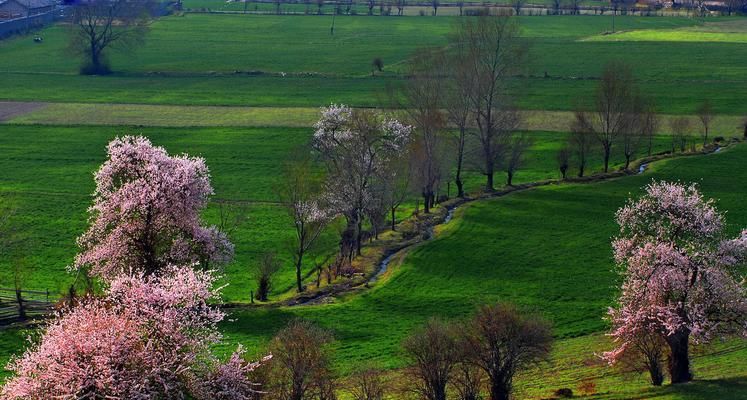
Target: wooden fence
21,305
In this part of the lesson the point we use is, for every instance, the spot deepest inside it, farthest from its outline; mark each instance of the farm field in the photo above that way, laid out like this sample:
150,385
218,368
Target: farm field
170,70
243,91
49,179
546,248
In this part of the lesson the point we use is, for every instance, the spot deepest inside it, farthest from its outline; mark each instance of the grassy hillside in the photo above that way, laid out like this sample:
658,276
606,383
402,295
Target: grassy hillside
213,59
48,180
545,248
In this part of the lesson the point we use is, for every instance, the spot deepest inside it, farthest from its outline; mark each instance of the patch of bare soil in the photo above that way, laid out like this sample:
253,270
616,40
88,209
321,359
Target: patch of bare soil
11,109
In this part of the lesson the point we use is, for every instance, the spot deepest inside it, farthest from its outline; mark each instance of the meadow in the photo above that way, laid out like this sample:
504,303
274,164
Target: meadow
48,180
290,61
242,91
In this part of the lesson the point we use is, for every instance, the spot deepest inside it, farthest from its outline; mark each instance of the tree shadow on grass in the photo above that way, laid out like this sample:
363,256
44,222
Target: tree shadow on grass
716,389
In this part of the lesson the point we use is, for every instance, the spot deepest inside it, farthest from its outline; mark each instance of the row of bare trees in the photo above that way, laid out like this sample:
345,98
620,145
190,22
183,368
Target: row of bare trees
482,355
623,117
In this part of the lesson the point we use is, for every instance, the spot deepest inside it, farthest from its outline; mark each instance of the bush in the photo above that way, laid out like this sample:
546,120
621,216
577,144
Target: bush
565,393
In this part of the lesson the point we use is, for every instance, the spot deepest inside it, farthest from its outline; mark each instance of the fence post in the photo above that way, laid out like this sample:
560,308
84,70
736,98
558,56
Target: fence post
21,307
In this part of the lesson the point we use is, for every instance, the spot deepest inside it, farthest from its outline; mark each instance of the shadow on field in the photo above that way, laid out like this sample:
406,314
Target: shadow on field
729,388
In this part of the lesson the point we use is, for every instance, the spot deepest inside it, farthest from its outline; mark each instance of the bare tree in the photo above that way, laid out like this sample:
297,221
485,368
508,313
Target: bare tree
705,115
301,363
646,354
301,194
518,145
680,128
564,160
492,55
263,273
649,124
396,179
99,25
613,107
581,142
424,97
458,110
467,378
433,353
503,340
368,384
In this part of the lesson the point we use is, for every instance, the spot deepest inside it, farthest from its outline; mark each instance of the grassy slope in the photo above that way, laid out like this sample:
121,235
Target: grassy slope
48,179
174,69
546,248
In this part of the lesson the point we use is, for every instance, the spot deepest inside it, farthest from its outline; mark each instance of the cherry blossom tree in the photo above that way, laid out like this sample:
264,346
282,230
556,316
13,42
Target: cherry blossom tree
680,275
354,145
146,213
149,337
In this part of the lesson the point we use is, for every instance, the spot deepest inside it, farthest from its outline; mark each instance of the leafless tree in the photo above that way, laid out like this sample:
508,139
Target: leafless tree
614,103
467,377
99,25
301,363
503,340
458,110
581,142
301,194
424,97
368,384
517,147
646,354
396,180
705,115
263,273
492,54
649,124
433,354
564,160
680,128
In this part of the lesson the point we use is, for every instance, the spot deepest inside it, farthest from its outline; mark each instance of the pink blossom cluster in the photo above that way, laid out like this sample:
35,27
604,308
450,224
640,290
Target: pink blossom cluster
148,338
678,272
146,213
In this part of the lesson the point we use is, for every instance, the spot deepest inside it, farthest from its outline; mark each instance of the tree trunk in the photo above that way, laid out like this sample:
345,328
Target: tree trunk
359,236
498,391
606,158
426,203
581,170
627,161
299,285
679,358
654,370
394,220
489,183
510,178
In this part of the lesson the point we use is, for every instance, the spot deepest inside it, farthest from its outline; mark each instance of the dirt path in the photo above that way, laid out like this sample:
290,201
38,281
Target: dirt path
11,109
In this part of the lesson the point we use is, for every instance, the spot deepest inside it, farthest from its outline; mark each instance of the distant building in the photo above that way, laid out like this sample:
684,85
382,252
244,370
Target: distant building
12,9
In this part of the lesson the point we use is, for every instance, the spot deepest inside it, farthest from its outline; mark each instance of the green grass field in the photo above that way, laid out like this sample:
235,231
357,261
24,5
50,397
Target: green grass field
546,249
300,62
48,180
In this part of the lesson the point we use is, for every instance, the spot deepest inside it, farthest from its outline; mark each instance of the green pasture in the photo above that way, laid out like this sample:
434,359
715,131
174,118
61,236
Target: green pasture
291,61
547,249
153,115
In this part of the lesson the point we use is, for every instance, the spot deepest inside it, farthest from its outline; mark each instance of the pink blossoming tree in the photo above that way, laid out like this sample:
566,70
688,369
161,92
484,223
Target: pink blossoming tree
680,281
146,213
355,145
149,337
